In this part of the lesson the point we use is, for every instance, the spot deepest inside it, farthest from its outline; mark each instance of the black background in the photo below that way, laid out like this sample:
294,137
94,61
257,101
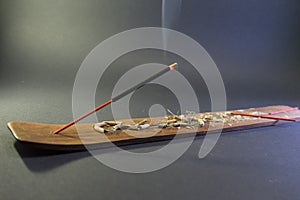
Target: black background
255,45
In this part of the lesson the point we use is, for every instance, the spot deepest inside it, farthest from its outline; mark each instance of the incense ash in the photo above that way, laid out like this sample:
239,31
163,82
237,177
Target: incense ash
190,120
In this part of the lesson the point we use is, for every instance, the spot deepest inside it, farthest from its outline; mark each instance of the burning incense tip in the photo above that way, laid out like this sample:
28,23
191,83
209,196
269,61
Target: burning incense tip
173,66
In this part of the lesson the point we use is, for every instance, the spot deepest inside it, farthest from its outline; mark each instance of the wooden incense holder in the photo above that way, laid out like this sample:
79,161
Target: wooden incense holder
41,135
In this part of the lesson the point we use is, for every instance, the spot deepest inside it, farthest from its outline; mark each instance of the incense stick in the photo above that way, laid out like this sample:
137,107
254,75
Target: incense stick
283,110
262,116
116,98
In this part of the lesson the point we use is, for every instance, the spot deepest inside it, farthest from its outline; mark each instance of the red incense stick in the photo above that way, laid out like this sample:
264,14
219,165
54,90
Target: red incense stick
283,110
82,117
116,98
262,116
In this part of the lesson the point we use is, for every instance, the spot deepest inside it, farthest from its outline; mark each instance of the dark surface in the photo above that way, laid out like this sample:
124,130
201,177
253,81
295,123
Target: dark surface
255,44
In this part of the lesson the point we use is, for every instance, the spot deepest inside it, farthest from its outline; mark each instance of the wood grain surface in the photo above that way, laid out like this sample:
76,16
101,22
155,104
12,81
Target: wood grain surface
83,135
